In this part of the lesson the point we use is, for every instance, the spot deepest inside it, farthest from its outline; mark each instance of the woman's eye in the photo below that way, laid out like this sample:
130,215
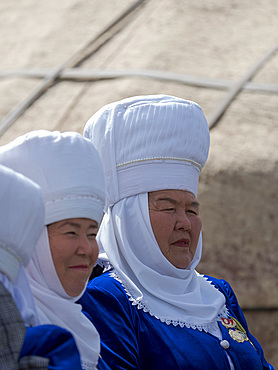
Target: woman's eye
70,232
192,212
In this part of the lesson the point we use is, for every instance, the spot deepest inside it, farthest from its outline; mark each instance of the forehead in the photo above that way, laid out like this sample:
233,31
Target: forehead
75,222
172,194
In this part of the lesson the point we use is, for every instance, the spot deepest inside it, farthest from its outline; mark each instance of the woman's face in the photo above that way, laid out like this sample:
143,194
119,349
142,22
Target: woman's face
74,251
176,224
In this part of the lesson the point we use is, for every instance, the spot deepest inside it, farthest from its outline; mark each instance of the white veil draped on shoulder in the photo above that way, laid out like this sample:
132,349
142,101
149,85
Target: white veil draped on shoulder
56,307
175,296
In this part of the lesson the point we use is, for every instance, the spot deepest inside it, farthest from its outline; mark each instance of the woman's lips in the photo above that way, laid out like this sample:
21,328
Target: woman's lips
79,267
181,243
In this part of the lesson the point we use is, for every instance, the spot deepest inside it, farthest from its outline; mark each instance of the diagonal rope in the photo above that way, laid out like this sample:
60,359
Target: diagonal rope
235,90
81,75
74,60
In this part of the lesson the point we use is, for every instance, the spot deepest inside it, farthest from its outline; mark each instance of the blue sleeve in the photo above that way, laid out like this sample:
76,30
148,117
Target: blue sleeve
236,311
53,343
111,313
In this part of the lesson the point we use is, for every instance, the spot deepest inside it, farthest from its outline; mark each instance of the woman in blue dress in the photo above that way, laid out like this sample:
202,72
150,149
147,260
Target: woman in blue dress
68,169
153,310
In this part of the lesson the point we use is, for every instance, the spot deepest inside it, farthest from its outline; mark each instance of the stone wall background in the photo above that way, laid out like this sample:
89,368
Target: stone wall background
205,40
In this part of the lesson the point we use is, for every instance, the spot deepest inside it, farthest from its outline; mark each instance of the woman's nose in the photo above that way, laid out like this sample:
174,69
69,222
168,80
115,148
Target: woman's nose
183,222
84,245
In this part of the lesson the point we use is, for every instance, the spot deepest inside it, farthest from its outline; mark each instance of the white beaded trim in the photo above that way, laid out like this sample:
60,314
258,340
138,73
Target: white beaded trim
139,302
159,159
72,197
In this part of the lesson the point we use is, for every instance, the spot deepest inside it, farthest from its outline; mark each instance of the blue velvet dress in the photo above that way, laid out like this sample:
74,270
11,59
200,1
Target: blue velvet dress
133,339
53,343
57,345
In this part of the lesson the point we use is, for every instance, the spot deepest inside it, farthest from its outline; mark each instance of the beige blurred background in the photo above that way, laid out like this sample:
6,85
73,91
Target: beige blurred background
62,60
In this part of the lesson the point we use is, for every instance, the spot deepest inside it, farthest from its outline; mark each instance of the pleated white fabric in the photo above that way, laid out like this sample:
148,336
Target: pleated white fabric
66,166
140,137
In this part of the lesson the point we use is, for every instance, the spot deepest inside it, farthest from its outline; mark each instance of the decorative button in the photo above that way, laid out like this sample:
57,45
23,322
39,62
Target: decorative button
224,344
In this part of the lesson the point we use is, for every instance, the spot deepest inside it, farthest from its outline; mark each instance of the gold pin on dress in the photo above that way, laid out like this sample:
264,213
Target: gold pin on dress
236,330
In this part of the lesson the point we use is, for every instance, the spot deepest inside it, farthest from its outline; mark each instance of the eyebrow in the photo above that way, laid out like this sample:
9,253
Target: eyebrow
74,224
194,203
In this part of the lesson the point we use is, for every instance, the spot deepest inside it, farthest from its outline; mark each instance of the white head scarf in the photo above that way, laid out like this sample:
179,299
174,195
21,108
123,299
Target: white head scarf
22,217
69,170
151,143
56,307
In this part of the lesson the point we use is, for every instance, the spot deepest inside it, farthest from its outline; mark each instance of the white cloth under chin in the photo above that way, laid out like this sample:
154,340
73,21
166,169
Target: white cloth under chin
175,296
56,307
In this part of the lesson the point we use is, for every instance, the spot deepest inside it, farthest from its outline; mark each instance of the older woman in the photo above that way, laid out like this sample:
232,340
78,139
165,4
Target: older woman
152,309
69,171
24,343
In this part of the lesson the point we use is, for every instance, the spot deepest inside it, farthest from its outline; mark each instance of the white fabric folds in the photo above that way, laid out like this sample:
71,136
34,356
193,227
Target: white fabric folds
21,223
55,306
169,174
150,143
66,166
140,136
174,296
69,171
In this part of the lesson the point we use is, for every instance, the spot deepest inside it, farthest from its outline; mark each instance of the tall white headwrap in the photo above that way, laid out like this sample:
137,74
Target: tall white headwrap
150,143
21,223
69,171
